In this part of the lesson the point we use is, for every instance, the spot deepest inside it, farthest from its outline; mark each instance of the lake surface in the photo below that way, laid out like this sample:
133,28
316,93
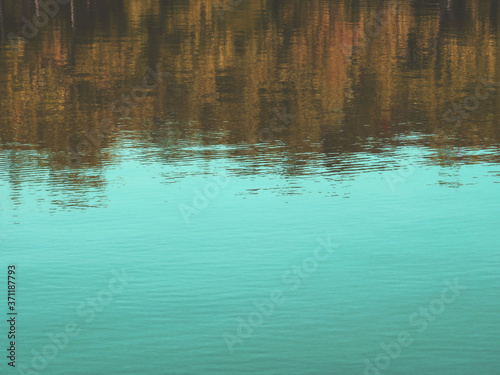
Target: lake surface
251,187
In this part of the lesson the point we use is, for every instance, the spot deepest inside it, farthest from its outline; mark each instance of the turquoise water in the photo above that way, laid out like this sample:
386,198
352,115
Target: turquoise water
286,199
387,254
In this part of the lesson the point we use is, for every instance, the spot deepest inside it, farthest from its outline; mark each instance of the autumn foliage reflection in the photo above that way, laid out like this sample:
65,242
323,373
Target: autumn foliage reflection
228,75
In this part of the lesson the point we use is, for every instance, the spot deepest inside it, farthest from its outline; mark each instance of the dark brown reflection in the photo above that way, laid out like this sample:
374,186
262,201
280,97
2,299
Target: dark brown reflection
295,72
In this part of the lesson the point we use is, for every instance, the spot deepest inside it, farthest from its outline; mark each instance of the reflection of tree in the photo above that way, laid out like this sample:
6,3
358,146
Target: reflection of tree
68,189
228,76
2,29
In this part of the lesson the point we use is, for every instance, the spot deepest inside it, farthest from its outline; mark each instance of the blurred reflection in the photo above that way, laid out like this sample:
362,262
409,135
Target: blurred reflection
228,76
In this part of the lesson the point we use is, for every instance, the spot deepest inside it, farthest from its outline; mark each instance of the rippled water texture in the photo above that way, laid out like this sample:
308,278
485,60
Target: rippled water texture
251,187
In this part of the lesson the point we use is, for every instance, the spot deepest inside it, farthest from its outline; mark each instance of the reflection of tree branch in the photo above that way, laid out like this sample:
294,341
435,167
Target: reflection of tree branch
72,15
2,30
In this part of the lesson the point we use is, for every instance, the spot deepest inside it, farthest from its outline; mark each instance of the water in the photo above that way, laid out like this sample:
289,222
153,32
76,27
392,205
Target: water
286,199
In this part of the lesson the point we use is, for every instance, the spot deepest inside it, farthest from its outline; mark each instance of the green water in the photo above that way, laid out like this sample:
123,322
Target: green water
357,240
